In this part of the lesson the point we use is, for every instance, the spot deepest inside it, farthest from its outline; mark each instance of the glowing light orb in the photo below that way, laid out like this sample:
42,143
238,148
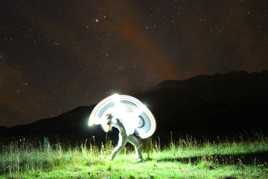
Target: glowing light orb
134,115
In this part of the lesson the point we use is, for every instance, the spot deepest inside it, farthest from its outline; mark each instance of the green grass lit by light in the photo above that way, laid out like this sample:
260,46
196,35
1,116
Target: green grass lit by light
182,159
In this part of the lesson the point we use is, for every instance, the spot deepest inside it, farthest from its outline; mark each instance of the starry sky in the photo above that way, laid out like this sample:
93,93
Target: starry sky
56,55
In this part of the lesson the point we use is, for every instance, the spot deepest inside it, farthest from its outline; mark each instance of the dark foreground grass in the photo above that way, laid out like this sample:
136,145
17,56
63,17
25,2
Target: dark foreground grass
184,159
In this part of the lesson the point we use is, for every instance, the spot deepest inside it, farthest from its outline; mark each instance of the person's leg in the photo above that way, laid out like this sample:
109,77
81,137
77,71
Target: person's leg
122,140
137,145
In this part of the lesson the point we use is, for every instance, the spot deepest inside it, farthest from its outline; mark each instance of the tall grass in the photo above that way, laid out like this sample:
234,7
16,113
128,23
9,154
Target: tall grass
23,158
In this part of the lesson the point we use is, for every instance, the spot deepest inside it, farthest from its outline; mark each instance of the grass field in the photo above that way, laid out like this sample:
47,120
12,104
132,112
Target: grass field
181,159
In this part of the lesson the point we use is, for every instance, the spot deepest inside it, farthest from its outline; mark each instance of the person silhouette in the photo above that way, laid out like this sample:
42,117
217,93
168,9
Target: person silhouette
125,134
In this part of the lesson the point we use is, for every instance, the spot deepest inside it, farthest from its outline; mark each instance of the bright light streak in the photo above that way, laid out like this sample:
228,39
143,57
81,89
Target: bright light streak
134,115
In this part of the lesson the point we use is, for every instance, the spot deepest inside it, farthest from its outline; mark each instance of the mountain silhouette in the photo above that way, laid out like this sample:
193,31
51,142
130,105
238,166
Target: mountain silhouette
222,104
229,104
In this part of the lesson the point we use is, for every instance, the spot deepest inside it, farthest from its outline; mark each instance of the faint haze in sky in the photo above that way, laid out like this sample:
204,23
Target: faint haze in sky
57,55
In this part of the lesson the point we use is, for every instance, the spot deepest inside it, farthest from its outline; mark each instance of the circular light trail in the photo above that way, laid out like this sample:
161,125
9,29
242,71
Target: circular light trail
135,116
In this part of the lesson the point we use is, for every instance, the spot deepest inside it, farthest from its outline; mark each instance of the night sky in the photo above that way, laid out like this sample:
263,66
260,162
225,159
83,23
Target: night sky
56,55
